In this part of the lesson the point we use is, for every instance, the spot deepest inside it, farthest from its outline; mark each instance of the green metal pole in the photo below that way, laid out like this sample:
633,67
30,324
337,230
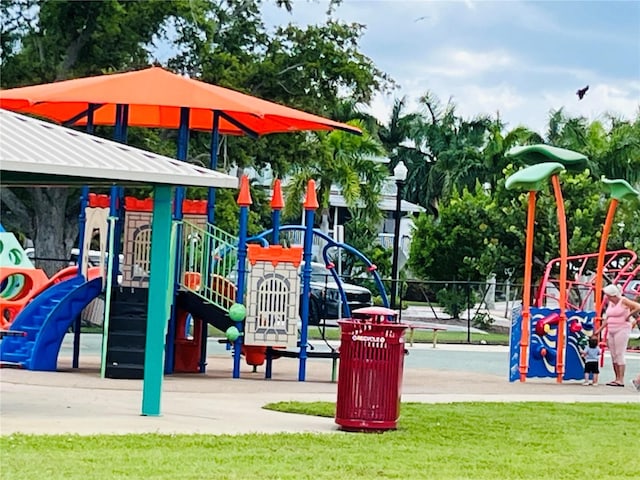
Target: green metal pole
107,299
160,282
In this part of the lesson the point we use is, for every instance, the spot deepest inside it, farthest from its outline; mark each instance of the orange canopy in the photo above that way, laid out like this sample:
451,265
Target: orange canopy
155,97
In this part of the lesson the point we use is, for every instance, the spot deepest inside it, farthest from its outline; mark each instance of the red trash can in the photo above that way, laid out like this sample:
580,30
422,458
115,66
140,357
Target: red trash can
370,375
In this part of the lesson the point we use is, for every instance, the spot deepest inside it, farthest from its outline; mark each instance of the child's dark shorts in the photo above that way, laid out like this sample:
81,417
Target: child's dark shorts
591,367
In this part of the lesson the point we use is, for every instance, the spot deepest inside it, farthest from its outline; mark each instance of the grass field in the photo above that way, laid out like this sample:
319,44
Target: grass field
441,441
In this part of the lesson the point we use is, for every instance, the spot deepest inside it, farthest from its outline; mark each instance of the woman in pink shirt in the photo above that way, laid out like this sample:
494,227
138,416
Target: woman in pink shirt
618,321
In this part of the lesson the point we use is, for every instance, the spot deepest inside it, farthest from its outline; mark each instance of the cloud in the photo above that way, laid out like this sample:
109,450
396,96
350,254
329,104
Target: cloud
522,59
462,63
517,107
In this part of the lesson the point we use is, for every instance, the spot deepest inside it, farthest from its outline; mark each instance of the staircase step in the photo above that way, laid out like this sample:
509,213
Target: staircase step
122,339
31,328
14,357
133,309
124,371
127,323
121,355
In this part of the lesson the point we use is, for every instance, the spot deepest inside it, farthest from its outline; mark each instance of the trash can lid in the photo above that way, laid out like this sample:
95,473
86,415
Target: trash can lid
375,313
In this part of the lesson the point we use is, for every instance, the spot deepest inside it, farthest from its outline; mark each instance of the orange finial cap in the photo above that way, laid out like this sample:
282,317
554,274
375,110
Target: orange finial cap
277,202
244,197
311,201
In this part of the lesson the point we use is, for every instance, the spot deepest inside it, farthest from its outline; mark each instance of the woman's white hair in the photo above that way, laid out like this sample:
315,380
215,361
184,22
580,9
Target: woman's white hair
612,290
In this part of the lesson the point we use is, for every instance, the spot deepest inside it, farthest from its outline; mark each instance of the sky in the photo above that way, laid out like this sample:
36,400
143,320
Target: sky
519,58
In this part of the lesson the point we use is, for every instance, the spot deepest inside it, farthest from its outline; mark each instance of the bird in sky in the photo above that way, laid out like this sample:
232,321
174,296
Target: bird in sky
582,92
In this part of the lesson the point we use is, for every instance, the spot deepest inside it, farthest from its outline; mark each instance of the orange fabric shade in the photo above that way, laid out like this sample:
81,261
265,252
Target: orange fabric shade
155,97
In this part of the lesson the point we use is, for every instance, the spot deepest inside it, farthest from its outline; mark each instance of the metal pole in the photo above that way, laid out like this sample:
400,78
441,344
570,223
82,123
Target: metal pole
468,312
161,293
396,245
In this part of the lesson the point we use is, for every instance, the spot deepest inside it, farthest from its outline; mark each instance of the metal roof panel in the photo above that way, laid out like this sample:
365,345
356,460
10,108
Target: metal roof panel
31,149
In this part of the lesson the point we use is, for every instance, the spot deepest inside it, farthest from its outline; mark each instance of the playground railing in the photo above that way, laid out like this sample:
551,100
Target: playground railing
296,237
208,256
620,268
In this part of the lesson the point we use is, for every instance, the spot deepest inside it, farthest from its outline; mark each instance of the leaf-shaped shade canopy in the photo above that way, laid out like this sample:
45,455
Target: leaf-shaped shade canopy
540,153
620,189
533,177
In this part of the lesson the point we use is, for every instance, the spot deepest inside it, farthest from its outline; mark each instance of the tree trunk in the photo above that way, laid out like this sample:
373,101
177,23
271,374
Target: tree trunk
15,214
54,235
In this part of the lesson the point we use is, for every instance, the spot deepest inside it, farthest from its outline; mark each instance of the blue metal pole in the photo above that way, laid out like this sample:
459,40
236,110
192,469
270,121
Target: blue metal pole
215,142
82,222
242,272
114,195
84,196
122,122
275,220
211,205
306,291
182,152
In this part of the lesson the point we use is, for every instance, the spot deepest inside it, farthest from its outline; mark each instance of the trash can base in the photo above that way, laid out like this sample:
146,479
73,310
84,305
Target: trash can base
352,425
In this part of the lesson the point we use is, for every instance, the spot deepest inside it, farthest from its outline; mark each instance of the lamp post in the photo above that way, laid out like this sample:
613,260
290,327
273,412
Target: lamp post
400,175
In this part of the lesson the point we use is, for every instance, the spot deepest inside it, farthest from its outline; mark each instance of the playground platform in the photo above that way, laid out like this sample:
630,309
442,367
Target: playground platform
78,401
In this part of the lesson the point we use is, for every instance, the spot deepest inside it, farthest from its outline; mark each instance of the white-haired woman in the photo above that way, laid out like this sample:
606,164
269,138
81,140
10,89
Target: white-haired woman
618,321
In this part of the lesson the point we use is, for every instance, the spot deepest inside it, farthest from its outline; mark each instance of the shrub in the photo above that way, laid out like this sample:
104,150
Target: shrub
455,299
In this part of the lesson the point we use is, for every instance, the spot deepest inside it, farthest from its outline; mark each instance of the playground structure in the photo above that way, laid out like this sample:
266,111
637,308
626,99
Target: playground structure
148,98
44,309
204,294
545,341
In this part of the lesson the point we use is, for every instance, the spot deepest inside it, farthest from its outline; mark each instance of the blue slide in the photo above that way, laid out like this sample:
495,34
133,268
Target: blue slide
46,320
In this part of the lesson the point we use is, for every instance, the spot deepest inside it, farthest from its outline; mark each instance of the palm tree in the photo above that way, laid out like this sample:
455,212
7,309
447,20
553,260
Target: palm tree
346,161
622,156
613,152
444,152
498,143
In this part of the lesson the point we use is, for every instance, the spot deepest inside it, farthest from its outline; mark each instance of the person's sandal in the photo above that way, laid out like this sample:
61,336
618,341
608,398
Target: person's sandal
615,384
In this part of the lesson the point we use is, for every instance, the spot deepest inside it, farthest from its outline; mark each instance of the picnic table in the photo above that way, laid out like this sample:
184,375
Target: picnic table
425,326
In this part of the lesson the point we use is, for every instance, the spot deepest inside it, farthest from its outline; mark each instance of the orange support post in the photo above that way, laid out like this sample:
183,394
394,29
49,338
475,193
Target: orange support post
526,296
562,322
601,254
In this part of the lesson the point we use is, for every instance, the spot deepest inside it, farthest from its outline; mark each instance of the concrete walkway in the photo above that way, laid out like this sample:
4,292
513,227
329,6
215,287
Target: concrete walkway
78,401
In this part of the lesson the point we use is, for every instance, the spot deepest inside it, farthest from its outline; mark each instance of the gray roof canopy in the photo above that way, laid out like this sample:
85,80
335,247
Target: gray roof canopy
37,153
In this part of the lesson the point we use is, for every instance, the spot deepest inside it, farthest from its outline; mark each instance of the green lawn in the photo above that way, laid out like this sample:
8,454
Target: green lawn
424,336
443,441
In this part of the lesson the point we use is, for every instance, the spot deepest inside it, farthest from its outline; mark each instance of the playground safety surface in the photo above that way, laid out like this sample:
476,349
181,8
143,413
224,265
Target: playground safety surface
79,401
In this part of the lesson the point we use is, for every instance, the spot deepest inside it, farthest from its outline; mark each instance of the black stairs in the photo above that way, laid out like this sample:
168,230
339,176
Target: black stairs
127,333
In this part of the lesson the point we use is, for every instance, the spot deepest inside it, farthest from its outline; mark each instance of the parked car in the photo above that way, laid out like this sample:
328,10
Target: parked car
325,301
